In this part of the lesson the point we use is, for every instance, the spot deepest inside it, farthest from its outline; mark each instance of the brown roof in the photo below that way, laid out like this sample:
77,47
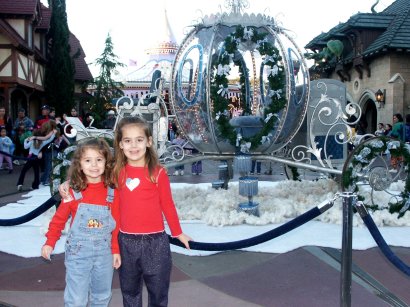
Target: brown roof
18,7
45,18
82,72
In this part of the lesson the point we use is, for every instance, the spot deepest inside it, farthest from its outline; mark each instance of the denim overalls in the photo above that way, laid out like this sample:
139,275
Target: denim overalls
88,257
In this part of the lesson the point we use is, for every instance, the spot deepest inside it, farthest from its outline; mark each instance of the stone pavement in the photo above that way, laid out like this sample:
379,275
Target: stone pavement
307,276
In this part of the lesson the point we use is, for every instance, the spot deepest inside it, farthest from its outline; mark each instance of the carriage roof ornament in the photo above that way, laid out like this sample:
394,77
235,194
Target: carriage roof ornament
236,16
237,6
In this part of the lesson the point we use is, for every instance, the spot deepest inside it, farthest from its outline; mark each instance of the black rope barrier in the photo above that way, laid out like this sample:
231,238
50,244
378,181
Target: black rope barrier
53,200
386,250
269,235
264,237
378,238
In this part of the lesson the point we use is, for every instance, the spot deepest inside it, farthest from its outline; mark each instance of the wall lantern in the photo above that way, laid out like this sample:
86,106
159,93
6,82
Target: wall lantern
380,97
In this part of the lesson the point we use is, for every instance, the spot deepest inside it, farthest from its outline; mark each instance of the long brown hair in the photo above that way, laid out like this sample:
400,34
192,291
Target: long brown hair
49,126
151,157
78,181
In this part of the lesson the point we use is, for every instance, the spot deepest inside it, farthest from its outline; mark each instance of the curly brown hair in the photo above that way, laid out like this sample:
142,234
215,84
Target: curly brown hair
78,181
151,157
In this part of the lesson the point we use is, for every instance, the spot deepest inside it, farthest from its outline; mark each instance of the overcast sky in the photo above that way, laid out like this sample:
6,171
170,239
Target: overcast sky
132,23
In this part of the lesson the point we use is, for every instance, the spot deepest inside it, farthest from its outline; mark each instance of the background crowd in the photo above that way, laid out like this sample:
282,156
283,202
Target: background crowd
35,142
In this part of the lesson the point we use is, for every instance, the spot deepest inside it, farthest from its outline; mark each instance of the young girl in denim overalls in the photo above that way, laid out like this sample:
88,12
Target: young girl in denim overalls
91,249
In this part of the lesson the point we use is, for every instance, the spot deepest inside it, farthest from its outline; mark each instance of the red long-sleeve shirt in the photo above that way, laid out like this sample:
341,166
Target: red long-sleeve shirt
143,203
95,193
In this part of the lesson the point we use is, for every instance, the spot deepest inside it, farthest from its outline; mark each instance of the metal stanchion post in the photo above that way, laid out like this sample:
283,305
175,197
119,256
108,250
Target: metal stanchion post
346,266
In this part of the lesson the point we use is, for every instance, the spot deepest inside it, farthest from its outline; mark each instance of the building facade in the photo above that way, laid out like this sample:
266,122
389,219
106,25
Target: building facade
370,53
24,25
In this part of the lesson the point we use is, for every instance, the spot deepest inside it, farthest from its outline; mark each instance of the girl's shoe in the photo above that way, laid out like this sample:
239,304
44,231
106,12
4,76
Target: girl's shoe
19,187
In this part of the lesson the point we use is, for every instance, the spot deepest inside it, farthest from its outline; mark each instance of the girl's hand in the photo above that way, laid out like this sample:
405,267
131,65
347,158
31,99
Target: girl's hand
64,190
46,251
185,240
116,261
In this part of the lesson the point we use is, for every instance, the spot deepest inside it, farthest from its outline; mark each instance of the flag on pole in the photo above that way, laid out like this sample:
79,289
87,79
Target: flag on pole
132,62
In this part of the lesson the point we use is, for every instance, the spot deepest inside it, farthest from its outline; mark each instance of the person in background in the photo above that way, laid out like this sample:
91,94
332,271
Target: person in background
22,119
258,165
88,120
397,133
6,122
94,211
406,128
21,134
61,122
109,122
44,117
380,130
52,114
5,146
48,151
196,167
173,129
397,130
387,129
180,141
74,113
34,143
21,124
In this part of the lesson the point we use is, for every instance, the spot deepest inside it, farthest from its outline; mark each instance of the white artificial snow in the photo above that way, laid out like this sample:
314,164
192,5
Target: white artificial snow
209,215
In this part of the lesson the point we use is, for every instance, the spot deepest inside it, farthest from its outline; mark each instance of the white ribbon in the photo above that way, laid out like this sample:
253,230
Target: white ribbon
223,70
266,138
275,93
245,147
223,90
247,33
273,71
269,59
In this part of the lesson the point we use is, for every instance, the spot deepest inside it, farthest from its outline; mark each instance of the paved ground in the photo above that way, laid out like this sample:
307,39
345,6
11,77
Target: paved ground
308,276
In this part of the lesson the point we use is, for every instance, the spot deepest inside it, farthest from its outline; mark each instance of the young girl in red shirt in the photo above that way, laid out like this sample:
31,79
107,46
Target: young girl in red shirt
91,249
145,197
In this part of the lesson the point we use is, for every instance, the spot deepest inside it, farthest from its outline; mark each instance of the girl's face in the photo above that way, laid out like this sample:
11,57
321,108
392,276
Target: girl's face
2,112
3,132
134,143
93,165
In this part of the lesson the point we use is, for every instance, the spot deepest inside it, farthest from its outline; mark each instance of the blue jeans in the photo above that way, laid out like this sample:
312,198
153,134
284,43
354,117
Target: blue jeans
258,166
89,270
48,163
145,258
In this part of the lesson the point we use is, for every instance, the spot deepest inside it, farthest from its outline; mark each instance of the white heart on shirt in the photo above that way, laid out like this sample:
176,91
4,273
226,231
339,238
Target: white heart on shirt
132,183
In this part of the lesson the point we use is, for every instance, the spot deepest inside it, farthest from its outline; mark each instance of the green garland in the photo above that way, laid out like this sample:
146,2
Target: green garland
368,151
276,83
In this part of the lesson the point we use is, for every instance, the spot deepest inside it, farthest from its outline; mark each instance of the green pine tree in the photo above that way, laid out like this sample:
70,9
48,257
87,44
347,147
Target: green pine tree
60,69
106,87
